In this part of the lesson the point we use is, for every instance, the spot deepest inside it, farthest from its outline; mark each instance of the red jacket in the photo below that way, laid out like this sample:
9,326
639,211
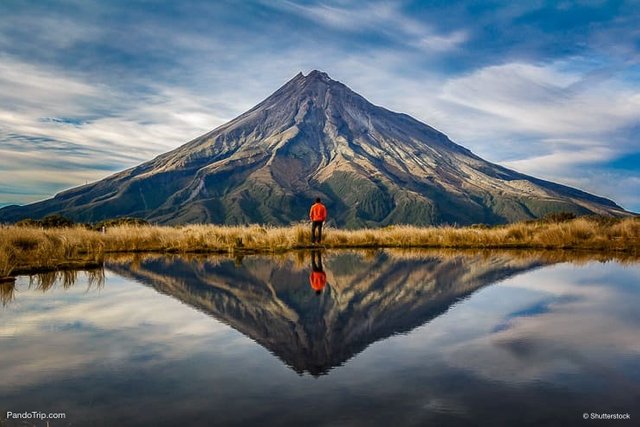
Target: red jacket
318,280
318,212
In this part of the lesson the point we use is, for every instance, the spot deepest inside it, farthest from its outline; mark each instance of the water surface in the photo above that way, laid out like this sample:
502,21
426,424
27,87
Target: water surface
391,339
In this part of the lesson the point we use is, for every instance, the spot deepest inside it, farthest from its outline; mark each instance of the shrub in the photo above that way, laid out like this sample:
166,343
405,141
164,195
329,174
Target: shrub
480,226
7,292
25,243
7,260
556,217
602,220
56,221
120,221
28,222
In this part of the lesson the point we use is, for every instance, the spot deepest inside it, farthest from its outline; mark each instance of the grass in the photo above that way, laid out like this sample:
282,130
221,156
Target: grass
31,249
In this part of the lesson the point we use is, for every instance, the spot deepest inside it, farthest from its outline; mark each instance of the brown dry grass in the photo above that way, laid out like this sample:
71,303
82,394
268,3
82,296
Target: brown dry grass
7,293
30,249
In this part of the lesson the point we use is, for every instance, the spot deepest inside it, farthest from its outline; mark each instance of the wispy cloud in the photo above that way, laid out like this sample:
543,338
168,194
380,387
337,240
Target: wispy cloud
576,297
546,121
53,123
80,314
436,43
545,100
381,18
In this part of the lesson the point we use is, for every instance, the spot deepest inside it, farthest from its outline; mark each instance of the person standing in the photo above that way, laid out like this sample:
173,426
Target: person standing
317,214
317,278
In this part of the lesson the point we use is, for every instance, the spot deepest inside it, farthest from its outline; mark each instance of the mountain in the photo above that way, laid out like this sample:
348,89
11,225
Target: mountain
366,299
314,137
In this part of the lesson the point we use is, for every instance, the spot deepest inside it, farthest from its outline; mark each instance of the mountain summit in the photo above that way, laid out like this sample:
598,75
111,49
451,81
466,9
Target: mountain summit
315,137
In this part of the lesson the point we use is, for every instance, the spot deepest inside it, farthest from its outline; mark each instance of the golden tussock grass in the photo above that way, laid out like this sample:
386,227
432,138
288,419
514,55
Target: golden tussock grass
24,249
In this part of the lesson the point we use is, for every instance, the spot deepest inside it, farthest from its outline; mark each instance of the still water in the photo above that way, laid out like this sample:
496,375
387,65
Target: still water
335,339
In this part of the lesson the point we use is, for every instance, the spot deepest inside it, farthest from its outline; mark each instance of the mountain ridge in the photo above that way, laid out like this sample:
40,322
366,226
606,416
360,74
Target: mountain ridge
315,137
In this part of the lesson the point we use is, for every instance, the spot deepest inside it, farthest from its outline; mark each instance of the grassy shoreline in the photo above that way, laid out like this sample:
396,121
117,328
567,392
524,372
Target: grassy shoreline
31,249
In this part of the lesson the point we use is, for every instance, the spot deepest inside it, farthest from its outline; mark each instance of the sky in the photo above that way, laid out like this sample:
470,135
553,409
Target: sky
548,88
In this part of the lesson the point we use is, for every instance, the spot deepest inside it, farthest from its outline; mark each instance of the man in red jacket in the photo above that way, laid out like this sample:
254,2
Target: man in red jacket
318,215
317,278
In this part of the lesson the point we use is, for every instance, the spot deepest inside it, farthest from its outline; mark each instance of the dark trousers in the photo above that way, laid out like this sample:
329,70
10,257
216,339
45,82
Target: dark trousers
316,226
316,260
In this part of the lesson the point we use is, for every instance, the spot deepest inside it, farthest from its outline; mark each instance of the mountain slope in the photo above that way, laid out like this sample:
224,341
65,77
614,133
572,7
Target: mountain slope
314,137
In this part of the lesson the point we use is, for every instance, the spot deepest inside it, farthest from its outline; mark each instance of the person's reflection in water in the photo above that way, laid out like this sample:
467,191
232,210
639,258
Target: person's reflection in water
317,278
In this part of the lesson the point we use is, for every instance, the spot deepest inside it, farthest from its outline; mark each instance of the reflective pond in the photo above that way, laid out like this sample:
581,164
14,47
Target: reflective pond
332,338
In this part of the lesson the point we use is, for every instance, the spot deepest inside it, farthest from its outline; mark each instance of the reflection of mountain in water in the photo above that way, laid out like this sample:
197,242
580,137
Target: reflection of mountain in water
366,299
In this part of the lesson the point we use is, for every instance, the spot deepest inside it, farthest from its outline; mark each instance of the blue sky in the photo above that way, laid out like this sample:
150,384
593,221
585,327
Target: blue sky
549,88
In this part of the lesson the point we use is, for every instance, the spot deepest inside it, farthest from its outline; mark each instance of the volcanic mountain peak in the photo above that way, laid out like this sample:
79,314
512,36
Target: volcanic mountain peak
316,77
317,74
315,137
